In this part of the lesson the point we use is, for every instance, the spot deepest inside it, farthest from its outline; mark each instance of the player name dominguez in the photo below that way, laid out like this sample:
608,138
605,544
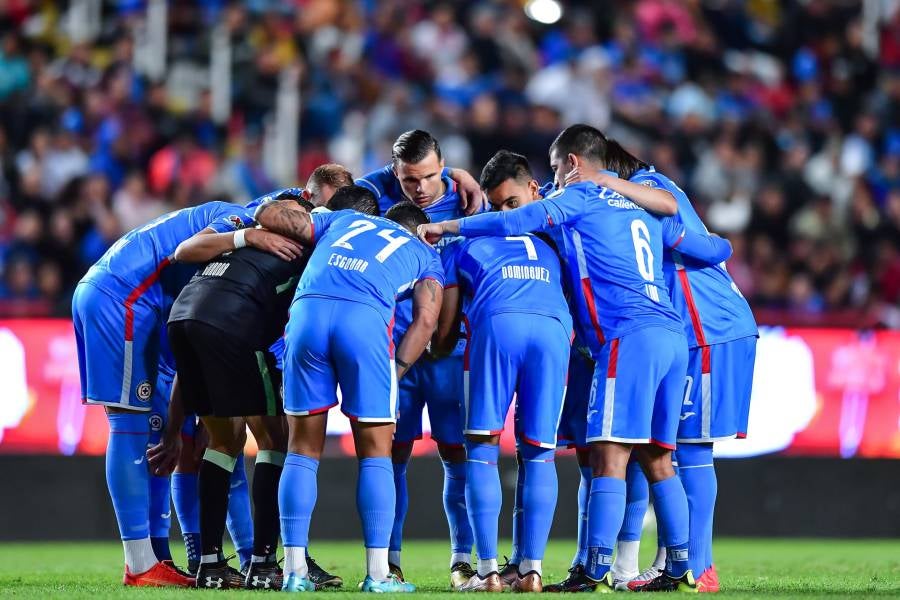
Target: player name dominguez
526,272
347,263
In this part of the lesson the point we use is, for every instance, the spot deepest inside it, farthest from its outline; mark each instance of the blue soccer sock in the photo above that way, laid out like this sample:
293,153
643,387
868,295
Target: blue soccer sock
187,509
240,516
584,493
376,500
672,518
160,517
518,515
606,510
538,505
698,476
128,481
484,499
461,537
402,507
637,497
297,492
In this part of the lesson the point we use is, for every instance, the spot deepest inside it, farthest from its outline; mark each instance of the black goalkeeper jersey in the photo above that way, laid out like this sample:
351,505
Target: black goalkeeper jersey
245,293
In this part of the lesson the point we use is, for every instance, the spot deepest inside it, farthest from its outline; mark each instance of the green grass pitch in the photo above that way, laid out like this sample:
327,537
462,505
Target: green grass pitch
748,568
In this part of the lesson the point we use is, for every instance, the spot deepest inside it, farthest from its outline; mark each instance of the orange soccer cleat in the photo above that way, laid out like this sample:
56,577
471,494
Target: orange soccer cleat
709,581
159,575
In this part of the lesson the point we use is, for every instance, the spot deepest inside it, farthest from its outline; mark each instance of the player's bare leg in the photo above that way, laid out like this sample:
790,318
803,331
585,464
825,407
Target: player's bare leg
460,563
128,479
227,437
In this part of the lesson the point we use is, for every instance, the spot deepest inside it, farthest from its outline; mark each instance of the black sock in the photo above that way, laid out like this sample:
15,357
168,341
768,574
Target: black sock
161,548
213,483
266,525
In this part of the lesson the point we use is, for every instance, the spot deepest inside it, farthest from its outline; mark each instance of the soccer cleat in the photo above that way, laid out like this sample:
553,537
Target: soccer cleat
708,582
509,572
577,581
293,583
605,585
490,583
665,583
391,585
396,571
320,577
218,576
159,575
171,564
647,575
460,573
263,576
529,582
620,581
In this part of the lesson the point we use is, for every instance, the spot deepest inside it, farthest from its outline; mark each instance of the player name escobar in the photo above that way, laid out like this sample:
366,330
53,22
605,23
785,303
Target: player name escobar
347,263
526,272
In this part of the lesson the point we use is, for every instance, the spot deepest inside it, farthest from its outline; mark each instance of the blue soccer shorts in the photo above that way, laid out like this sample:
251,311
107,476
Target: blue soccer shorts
522,354
638,388
118,346
717,392
573,424
437,384
331,343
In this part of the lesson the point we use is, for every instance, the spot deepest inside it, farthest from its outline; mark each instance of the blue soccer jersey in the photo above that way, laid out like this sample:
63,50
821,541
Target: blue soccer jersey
710,304
386,187
612,250
366,259
132,265
516,274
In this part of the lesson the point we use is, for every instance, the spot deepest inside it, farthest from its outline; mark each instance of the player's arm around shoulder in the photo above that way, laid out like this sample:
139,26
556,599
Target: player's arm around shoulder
208,244
654,199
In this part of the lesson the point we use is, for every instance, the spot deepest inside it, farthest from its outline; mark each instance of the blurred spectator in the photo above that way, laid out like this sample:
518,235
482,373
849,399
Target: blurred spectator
781,120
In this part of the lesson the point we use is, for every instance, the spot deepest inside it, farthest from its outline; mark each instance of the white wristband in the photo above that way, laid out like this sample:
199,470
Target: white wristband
239,241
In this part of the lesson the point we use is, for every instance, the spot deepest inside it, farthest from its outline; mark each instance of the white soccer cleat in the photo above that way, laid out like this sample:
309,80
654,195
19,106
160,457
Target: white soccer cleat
648,574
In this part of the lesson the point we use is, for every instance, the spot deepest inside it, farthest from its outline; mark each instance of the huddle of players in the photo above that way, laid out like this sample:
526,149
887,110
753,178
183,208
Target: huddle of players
349,326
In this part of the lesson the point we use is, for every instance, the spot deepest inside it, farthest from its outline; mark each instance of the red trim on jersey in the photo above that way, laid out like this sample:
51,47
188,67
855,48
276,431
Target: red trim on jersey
434,279
312,230
680,239
613,359
692,307
741,435
588,292
390,332
706,359
532,442
662,444
137,293
449,285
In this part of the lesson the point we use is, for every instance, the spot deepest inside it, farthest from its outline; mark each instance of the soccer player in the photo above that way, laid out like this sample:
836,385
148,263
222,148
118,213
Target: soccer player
721,334
519,333
339,333
417,172
118,310
635,337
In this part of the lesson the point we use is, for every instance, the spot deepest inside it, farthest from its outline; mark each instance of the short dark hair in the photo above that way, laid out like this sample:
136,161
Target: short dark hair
354,197
581,140
502,166
306,204
622,162
414,146
406,213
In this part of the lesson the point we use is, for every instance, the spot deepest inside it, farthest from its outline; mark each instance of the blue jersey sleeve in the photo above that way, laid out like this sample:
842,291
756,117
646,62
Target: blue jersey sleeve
231,219
705,248
450,263
561,207
282,194
321,221
378,182
434,270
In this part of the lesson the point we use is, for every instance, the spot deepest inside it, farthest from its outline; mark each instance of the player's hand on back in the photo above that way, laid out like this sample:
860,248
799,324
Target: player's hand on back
273,243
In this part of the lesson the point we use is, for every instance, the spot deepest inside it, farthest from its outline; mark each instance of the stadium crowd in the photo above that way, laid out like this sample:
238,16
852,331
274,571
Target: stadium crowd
779,119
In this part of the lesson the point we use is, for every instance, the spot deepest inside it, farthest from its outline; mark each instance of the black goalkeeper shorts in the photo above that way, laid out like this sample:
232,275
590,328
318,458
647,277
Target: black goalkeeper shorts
221,376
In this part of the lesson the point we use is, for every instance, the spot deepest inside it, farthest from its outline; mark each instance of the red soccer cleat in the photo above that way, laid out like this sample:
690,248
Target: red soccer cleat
160,575
709,581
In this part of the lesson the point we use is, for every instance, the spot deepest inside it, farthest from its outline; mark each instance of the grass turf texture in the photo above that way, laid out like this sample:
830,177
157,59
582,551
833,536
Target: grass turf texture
747,568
